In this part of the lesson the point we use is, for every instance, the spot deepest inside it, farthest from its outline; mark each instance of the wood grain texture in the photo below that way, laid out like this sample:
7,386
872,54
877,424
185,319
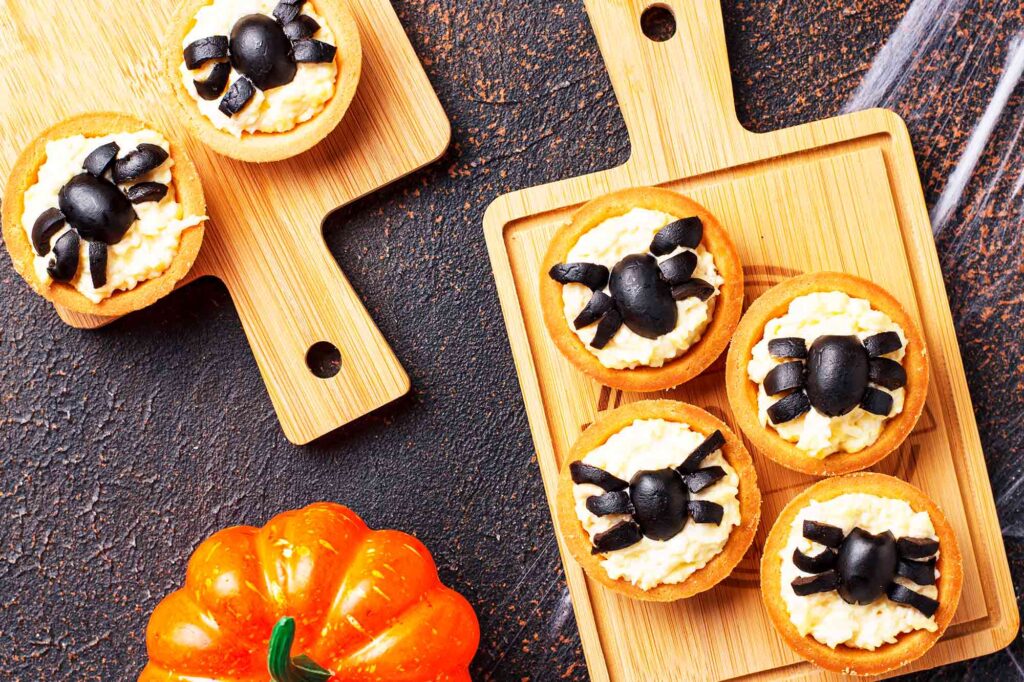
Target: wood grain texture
841,194
264,238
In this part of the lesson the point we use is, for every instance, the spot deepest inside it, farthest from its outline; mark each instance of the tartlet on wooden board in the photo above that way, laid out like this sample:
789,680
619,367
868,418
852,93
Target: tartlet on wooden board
189,194
728,304
740,538
910,645
260,146
743,392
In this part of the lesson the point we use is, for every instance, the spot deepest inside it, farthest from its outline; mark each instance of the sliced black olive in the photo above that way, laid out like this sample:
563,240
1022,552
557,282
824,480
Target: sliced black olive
587,473
823,534
606,328
138,162
819,563
313,51
702,478
866,565
787,347
678,268
888,373
99,159
784,377
920,572
98,264
714,441
262,52
239,94
598,305
686,232
659,502
64,263
883,343
908,597
619,536
203,50
142,192
590,275
837,374
702,511
876,401
789,408
213,86
916,548
287,10
96,208
813,584
615,502
303,26
643,298
695,287
47,224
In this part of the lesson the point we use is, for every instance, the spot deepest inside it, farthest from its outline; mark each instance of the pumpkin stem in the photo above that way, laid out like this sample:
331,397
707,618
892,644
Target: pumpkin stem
284,668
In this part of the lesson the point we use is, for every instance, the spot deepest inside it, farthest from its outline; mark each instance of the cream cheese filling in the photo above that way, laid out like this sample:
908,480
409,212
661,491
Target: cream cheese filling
808,317
825,616
657,444
607,244
272,111
149,245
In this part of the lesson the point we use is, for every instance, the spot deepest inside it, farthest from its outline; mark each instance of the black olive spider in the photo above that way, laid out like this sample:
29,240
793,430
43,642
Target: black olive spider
833,376
658,501
862,567
265,50
643,291
95,209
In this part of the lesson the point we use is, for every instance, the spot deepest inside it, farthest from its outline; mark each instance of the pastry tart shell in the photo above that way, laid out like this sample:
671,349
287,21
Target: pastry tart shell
743,392
721,565
728,304
260,146
910,645
189,194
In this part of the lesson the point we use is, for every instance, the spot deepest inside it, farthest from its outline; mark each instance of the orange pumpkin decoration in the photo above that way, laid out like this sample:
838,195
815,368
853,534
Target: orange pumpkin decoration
363,605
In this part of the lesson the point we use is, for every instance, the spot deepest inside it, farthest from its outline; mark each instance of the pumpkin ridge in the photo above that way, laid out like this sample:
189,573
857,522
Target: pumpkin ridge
335,610
229,537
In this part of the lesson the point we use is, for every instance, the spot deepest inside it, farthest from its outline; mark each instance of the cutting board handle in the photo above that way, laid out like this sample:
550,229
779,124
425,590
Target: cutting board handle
675,95
295,306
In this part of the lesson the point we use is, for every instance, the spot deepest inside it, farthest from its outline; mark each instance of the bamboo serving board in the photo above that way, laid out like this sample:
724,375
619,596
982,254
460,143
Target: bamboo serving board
841,194
264,239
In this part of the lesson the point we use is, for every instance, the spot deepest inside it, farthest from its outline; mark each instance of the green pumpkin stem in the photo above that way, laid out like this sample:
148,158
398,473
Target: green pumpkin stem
284,668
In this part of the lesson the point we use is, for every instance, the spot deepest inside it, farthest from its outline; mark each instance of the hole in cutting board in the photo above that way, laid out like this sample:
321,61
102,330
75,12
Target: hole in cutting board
323,359
658,23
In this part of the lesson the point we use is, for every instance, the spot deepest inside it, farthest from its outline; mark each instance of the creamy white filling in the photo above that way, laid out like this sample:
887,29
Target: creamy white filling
825,616
808,317
149,245
607,244
272,111
656,444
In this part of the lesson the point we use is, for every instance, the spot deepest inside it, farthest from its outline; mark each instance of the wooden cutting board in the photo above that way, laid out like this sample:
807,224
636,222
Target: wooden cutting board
841,194
264,239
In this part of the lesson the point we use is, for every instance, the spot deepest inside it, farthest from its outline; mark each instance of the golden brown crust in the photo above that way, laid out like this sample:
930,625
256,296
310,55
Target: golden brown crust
909,646
728,305
610,423
187,186
743,392
262,147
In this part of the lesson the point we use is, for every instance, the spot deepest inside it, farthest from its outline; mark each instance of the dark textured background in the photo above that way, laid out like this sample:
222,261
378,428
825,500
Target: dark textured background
120,450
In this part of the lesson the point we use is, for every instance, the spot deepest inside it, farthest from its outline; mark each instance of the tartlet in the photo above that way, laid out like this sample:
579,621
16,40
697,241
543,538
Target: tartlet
909,645
911,381
703,314
719,444
187,192
292,135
